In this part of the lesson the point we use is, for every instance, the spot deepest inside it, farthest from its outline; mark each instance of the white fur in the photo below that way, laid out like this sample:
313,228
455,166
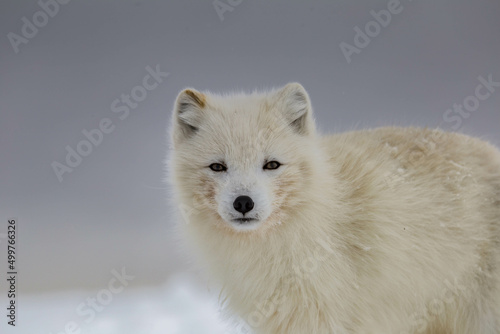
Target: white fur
236,184
391,230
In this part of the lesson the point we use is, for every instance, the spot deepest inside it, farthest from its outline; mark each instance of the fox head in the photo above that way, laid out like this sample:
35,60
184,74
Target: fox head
241,161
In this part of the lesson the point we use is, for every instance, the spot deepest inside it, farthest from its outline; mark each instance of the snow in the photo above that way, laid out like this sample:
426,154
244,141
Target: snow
178,307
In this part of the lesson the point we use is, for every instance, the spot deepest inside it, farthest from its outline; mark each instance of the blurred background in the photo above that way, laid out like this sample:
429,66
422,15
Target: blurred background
86,92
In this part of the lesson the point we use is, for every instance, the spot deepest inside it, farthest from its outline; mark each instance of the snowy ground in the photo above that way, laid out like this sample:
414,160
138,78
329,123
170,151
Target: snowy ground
178,307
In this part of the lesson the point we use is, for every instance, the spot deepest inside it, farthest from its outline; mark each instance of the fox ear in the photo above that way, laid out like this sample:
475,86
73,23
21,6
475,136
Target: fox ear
296,108
187,113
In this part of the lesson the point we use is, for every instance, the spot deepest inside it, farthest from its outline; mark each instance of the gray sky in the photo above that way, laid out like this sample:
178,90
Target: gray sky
111,210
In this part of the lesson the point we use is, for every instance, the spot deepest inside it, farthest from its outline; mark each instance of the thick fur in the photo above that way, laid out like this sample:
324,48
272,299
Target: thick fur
391,230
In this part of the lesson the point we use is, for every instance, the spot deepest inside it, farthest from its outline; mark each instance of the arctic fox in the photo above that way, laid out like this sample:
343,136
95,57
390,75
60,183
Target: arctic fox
390,230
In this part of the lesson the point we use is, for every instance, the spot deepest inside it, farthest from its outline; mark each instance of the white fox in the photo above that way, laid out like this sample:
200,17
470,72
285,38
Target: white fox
390,230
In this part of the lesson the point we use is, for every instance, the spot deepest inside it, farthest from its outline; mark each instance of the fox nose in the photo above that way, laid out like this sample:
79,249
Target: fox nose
243,204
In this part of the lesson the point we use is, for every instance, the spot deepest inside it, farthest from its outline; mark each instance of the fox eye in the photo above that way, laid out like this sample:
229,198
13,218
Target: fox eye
272,165
218,167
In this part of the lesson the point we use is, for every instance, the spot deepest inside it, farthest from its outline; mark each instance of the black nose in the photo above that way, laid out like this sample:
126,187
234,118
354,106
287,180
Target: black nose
243,204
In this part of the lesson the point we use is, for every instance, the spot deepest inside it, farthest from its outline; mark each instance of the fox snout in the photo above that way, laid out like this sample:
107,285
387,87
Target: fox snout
243,204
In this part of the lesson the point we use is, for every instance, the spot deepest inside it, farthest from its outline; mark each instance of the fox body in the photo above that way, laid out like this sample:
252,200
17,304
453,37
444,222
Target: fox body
390,230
